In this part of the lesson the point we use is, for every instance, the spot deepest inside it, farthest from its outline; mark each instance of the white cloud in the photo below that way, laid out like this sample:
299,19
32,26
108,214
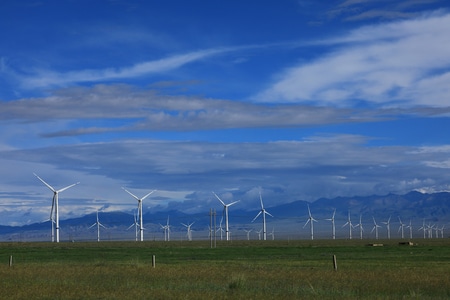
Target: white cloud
52,79
389,64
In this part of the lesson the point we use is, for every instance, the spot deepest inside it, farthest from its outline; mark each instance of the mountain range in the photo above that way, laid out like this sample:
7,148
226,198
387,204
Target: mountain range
288,219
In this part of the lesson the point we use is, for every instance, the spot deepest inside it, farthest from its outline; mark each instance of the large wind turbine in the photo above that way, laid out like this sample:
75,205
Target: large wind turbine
333,225
311,221
225,208
141,221
263,212
55,206
98,227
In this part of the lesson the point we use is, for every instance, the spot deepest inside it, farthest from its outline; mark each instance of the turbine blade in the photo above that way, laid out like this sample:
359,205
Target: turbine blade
306,223
219,199
63,189
257,216
233,202
48,185
134,196
53,206
268,213
148,194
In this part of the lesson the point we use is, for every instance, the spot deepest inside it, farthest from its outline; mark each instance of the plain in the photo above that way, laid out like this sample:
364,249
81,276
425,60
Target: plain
231,270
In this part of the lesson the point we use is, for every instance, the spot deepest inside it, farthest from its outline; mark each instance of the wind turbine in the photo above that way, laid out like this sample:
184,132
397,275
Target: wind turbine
263,212
220,229
272,234
166,230
423,228
225,209
375,227
350,226
98,227
55,206
311,221
388,223
410,228
401,227
248,234
333,225
361,229
141,221
136,225
189,231
259,234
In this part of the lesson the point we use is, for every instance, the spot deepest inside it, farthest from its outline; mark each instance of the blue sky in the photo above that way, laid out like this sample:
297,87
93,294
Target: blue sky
298,99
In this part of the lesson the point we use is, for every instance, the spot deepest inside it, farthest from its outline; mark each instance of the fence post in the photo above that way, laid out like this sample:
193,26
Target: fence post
153,261
334,262
10,260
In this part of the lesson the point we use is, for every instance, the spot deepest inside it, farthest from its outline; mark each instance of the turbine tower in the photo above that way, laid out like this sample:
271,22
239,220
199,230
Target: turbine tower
136,225
410,229
311,221
98,227
333,225
361,229
225,209
401,228
55,207
375,227
141,221
388,227
350,226
263,212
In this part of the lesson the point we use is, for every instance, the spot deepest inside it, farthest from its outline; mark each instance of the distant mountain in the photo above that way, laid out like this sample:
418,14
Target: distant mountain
434,208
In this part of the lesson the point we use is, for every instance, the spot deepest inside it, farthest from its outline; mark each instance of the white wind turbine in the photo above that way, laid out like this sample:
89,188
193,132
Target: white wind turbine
333,225
311,221
423,228
189,230
225,209
388,227
220,229
410,229
136,226
259,234
272,234
166,230
350,226
141,220
361,229
401,228
263,212
98,227
248,233
55,206
375,227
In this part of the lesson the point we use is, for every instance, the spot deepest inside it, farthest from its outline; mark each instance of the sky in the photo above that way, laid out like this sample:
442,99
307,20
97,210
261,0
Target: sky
298,100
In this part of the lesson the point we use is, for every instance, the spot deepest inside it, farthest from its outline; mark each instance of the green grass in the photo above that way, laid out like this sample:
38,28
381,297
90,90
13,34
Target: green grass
234,270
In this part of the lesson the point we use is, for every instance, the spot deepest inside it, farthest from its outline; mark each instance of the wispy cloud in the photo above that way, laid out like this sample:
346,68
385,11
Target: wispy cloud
390,64
53,79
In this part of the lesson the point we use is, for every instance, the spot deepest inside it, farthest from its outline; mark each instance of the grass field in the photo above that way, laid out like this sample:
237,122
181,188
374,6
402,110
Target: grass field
233,270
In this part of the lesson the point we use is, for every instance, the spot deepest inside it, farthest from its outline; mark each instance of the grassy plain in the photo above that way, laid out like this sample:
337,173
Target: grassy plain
233,270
